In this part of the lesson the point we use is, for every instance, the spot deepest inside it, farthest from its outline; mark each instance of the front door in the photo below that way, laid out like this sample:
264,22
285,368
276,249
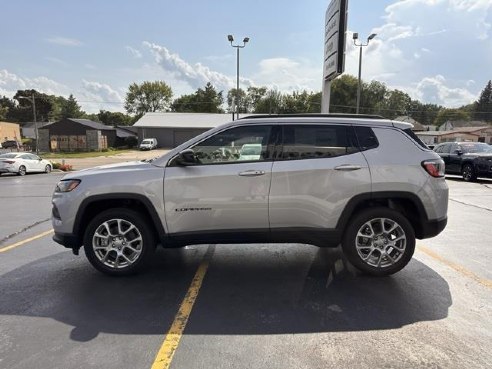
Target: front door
227,189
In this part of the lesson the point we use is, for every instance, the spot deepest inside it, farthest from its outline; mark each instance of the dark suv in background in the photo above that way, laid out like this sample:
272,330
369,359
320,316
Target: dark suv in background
470,159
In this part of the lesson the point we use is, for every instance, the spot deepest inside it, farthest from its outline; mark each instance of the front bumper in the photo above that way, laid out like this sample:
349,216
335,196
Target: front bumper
68,240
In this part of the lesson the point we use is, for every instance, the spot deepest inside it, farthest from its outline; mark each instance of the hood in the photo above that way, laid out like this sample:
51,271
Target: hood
133,166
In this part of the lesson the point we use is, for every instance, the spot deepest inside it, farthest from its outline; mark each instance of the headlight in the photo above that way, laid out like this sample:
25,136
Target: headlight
67,185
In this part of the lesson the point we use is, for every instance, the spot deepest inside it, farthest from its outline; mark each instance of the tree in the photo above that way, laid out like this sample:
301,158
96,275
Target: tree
232,99
71,109
6,105
343,97
114,118
148,97
206,100
483,107
23,111
271,103
450,114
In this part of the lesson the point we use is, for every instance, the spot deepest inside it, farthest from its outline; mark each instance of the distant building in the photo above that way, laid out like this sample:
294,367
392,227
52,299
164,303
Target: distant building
475,134
28,129
172,129
450,125
80,135
9,131
417,127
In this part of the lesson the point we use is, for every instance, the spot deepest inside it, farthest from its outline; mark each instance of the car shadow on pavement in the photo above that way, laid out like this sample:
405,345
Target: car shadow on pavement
304,292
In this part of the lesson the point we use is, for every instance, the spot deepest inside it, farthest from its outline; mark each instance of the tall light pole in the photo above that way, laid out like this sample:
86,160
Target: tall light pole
231,40
355,38
32,99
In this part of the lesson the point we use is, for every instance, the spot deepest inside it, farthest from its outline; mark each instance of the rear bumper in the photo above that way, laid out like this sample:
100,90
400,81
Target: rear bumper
432,228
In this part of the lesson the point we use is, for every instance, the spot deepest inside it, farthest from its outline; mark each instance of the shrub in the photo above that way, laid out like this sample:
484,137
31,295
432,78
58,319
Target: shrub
62,167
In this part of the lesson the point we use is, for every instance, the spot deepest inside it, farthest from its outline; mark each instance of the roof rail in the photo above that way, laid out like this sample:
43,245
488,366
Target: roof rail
313,115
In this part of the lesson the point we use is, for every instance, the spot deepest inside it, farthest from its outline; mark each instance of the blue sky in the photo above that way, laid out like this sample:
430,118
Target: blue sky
438,51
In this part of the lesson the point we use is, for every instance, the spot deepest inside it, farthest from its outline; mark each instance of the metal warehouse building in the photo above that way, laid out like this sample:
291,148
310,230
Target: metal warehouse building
172,129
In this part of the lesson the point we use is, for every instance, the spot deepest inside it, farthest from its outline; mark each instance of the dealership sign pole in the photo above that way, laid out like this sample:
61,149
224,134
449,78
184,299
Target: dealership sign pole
334,57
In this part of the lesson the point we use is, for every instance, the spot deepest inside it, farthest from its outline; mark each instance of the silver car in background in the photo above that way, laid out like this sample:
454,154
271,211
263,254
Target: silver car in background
364,182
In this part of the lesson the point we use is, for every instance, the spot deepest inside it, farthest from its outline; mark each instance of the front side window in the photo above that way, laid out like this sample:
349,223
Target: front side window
235,145
317,141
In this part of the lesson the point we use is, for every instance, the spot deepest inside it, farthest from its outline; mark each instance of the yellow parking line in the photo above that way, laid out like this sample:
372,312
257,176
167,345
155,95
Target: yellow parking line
20,243
461,269
166,352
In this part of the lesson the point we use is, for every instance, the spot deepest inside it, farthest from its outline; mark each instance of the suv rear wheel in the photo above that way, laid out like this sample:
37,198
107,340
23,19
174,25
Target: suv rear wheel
379,241
119,241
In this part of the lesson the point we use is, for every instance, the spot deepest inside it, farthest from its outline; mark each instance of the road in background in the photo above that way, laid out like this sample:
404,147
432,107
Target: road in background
260,306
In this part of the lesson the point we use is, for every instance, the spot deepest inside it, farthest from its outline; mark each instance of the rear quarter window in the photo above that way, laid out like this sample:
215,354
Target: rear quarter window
366,137
414,137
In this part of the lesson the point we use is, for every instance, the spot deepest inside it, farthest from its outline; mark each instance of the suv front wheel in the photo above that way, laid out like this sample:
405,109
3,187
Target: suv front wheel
119,241
379,241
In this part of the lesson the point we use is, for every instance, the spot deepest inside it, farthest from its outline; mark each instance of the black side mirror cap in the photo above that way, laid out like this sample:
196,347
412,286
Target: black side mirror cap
186,157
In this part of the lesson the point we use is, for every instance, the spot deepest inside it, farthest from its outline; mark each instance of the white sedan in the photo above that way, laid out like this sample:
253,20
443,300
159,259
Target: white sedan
22,163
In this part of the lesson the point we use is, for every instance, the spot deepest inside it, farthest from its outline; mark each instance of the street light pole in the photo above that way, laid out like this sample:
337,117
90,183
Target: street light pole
359,86
230,38
32,99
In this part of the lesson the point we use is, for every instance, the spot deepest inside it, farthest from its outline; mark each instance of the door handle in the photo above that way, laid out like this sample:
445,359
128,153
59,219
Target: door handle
348,167
251,173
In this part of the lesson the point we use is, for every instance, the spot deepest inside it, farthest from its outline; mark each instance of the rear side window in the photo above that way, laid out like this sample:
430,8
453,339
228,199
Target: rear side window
414,137
316,141
366,137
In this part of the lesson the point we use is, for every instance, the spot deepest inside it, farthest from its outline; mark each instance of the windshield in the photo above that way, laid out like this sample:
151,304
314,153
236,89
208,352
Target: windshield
146,142
472,148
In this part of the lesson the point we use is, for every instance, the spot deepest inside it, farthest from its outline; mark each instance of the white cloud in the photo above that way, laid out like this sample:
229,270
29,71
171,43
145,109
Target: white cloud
56,61
64,41
134,52
92,96
10,83
196,75
95,96
435,90
429,49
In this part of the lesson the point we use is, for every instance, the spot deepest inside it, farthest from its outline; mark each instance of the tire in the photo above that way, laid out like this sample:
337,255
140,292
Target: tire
468,173
386,249
47,169
118,228
22,171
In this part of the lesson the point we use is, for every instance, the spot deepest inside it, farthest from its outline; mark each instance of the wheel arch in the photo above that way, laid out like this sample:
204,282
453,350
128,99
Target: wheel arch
98,203
406,203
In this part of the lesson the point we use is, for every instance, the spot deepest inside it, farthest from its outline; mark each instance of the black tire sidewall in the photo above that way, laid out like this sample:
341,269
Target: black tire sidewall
140,221
473,175
350,251
47,168
24,172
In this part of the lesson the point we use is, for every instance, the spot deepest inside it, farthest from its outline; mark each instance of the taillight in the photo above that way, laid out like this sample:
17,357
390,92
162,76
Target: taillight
9,161
434,167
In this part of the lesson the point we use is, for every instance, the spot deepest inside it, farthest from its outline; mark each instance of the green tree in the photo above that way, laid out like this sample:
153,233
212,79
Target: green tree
114,118
396,103
445,115
231,101
23,111
483,107
271,103
204,100
6,105
343,97
71,109
148,97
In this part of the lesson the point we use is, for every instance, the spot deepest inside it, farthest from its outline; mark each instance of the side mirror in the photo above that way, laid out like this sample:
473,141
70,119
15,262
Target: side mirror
458,151
186,157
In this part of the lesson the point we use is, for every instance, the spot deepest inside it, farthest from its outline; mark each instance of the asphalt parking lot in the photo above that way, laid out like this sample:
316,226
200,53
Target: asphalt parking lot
258,306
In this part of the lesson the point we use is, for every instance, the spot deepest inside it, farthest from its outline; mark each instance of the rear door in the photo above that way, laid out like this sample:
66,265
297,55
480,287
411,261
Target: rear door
316,173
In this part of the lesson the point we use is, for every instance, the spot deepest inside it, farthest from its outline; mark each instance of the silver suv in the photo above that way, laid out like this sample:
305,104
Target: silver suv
364,182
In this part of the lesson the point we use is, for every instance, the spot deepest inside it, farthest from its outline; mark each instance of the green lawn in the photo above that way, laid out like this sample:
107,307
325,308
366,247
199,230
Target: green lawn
93,154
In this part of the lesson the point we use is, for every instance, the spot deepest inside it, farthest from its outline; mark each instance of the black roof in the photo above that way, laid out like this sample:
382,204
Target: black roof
91,124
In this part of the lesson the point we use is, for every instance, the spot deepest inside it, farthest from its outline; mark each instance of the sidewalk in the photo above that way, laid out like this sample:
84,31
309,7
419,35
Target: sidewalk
83,163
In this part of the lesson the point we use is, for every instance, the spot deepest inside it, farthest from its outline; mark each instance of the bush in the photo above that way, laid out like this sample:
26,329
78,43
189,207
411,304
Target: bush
62,167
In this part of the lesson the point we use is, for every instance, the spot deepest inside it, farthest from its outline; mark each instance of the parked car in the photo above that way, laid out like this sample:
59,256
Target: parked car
364,182
148,144
23,162
470,159
10,144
